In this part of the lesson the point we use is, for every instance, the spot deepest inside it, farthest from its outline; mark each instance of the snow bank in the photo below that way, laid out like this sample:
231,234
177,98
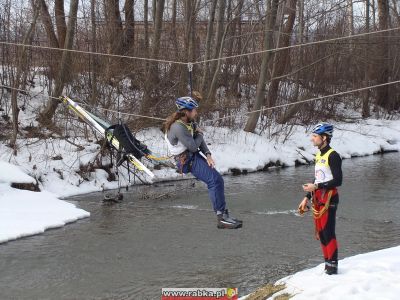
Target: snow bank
10,173
251,152
24,213
56,162
374,275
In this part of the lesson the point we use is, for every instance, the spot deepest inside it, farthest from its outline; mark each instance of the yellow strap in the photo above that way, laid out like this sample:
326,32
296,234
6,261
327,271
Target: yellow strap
188,126
153,157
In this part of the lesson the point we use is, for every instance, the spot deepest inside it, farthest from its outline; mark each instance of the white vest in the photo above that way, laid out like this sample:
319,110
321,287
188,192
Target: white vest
323,172
179,148
175,149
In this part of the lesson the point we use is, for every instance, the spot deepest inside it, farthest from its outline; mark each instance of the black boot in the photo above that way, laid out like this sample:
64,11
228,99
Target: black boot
224,222
226,216
331,267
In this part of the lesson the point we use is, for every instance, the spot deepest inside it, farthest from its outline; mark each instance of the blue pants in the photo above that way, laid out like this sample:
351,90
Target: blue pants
198,166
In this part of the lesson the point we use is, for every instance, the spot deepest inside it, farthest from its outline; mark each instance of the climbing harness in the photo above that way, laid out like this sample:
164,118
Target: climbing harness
318,212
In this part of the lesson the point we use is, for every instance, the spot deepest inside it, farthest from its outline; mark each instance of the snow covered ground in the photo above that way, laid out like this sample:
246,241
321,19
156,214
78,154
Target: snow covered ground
24,213
374,275
56,163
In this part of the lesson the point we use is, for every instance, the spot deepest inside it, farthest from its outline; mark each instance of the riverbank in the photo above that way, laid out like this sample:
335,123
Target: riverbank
373,275
60,165
25,212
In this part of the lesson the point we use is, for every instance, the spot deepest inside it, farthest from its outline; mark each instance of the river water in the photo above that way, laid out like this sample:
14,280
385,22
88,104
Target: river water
159,238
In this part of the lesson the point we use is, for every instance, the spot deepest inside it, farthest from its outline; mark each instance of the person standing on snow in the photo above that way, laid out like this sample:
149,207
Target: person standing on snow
324,195
185,142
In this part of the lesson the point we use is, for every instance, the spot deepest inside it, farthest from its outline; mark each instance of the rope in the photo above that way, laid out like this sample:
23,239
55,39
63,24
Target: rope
94,53
87,105
296,45
127,114
245,113
319,213
305,101
201,61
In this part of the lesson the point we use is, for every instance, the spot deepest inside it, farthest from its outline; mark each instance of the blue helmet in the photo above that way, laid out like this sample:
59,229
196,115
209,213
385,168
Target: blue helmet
186,103
323,128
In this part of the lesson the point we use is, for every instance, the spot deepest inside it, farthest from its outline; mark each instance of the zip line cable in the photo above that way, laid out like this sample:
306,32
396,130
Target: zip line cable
191,64
296,46
200,61
306,100
231,116
93,53
87,105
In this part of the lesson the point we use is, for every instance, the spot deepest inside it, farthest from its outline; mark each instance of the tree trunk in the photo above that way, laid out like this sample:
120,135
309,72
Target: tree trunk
229,45
350,22
262,79
153,69
173,29
282,57
383,55
114,37
47,114
191,6
129,32
210,26
21,67
218,39
365,102
93,48
60,21
396,11
234,83
146,27
214,82
48,25
158,28
54,56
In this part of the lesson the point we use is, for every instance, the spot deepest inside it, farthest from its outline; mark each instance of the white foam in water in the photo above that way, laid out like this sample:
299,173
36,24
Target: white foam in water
185,206
276,212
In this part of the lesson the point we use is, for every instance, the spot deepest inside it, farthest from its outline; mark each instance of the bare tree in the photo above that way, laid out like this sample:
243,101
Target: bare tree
218,44
207,56
383,50
129,32
22,67
365,102
281,59
60,22
272,7
47,114
197,30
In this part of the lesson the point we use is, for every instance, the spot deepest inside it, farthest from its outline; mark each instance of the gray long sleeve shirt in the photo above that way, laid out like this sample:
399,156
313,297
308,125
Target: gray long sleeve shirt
179,132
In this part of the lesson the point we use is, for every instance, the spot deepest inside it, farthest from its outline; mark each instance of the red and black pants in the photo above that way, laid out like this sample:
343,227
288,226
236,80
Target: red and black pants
325,224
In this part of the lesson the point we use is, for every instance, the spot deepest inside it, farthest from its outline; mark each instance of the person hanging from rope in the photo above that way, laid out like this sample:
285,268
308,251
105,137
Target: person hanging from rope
185,141
324,195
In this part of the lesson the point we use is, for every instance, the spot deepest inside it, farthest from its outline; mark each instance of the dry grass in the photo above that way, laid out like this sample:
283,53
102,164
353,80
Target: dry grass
267,291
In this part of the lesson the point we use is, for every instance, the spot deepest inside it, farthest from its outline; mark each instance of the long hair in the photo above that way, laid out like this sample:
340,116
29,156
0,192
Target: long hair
172,119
